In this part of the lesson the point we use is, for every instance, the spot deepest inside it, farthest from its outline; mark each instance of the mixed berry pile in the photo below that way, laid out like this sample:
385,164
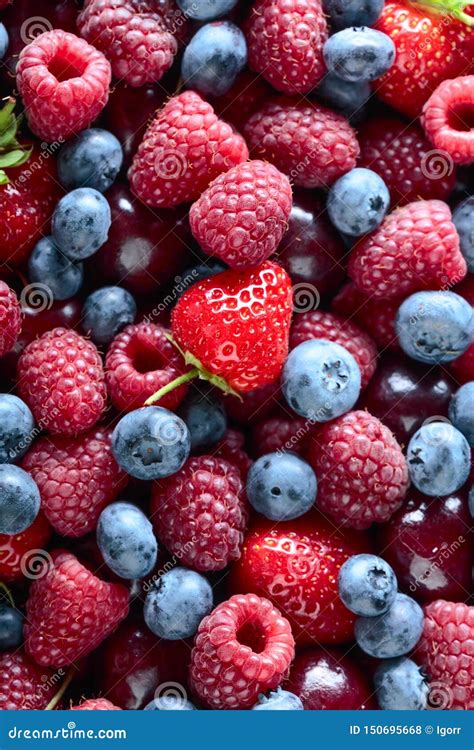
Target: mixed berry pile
236,354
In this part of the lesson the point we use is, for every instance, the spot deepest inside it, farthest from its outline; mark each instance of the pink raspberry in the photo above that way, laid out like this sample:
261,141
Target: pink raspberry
64,83
96,704
447,119
10,318
23,684
243,214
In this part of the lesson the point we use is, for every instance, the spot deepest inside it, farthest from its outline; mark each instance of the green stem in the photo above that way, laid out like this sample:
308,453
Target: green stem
190,375
453,8
7,593
65,684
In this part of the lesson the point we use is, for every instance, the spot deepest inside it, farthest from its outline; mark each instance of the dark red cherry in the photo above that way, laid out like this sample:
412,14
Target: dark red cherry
403,394
326,679
428,543
311,250
146,249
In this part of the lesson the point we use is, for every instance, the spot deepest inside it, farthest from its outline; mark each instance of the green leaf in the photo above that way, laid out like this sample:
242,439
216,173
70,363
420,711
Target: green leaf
13,158
3,178
6,114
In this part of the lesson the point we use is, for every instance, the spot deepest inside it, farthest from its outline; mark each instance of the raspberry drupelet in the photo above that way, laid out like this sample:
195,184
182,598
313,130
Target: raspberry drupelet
447,119
10,318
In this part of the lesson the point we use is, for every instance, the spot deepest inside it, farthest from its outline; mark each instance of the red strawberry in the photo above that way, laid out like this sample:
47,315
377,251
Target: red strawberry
20,553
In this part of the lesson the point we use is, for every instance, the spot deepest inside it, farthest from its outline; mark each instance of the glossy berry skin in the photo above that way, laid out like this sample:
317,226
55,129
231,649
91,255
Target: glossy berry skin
203,270
416,247
435,327
400,685
126,541
77,477
306,554
346,97
245,642
443,119
10,318
461,412
285,41
151,443
184,149
81,222
367,585
320,380
232,449
199,513
14,558
214,57
56,108
280,434
92,159
374,315
438,458
96,704
11,627
3,41
243,214
106,311
463,220
48,265
16,428
19,499
205,418
358,202
309,143
22,683
236,324
359,53
60,377
393,633
281,486
206,10
344,14
176,604
362,473
278,700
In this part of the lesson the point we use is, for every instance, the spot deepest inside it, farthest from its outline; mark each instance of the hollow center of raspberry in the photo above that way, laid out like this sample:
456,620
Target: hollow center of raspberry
64,68
251,634
461,117
147,360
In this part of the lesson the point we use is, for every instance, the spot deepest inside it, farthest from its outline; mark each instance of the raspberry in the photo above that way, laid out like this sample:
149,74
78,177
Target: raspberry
10,318
243,214
70,611
416,247
376,316
140,361
317,324
77,478
183,150
60,377
199,513
24,685
133,36
285,41
447,119
231,449
405,160
309,143
18,552
96,704
243,648
280,434
362,472
445,652
64,84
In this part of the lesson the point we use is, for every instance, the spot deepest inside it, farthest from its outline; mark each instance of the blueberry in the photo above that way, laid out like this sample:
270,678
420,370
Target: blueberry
206,10
93,159
19,499
214,57
321,380
81,222
106,311
394,633
202,271
48,265
4,41
16,428
281,486
367,585
126,540
463,219
461,411
176,604
345,13
205,418
359,54
11,627
400,685
435,327
170,703
279,700
347,97
151,443
358,202
438,458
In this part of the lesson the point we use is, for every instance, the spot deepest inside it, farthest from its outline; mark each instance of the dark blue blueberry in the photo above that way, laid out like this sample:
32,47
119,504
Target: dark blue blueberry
48,265
4,41
400,685
392,634
206,10
463,219
347,97
439,459
435,327
279,700
281,486
126,540
151,443
321,380
359,54
81,222
367,585
92,159
176,604
198,273
11,627
16,428
214,57
106,311
358,202
205,418
19,499
461,411
345,13
170,701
